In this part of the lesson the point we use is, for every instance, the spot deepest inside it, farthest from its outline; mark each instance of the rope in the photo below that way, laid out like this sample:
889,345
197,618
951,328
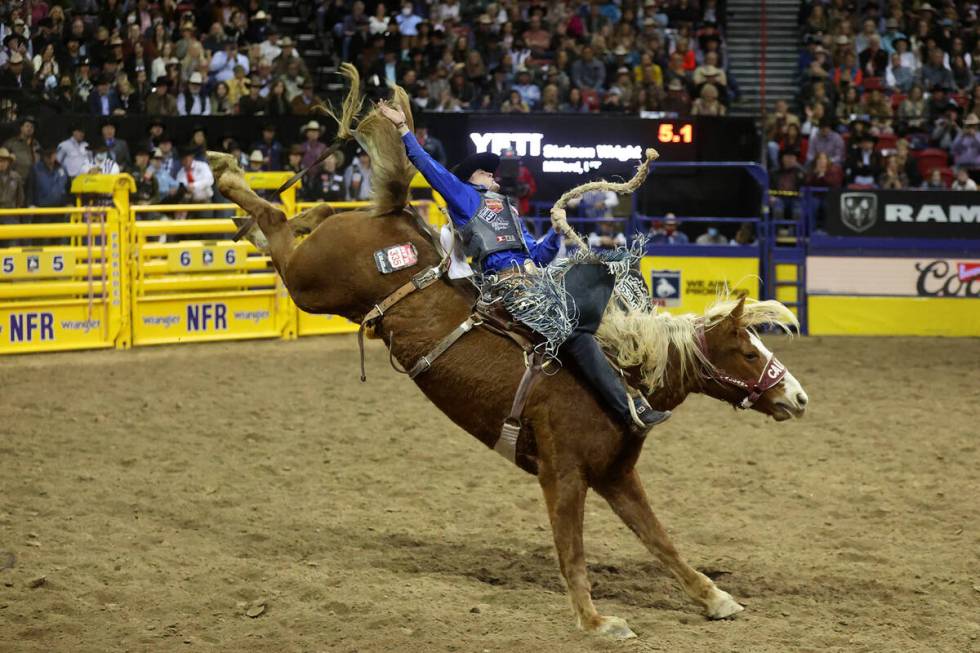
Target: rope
558,220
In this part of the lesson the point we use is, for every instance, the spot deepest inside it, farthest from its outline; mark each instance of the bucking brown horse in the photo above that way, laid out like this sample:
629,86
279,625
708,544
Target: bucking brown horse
577,444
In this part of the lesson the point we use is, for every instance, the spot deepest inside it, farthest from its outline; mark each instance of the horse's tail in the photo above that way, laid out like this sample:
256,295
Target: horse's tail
351,106
391,171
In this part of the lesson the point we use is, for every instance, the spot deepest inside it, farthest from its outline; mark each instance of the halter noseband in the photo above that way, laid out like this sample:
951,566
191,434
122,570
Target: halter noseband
771,375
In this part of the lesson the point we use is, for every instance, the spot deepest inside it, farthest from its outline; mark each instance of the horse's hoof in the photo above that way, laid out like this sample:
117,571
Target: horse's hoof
221,162
722,606
614,628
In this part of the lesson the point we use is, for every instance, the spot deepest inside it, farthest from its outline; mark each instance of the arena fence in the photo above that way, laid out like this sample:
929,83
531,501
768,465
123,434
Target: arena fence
105,273
71,291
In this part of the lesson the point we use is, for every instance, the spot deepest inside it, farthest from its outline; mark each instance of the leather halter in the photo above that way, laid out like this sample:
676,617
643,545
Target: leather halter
771,375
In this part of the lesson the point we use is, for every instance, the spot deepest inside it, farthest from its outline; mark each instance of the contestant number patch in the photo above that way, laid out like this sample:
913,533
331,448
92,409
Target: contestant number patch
396,257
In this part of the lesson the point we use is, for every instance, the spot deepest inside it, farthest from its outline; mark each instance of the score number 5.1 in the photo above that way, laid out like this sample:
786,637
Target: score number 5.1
684,133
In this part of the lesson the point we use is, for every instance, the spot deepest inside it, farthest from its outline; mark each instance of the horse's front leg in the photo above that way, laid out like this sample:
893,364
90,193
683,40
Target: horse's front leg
628,500
564,494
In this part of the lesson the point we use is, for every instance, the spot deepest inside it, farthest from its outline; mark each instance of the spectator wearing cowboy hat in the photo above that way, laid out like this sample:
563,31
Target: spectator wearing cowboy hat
677,100
195,176
256,161
313,149
103,101
303,103
117,147
24,147
48,182
864,163
74,154
966,146
194,101
252,104
11,187
160,102
270,147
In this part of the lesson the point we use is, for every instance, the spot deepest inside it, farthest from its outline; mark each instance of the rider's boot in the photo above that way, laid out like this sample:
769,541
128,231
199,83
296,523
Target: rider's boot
607,383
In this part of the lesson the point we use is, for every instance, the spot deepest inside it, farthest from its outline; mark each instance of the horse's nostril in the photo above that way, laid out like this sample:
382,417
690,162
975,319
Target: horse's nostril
801,399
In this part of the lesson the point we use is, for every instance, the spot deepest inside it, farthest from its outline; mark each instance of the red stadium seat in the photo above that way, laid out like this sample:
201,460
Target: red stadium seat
873,83
897,99
591,99
930,158
886,142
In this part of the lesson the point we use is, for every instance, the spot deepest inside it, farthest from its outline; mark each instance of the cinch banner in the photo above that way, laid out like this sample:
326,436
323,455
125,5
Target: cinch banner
903,213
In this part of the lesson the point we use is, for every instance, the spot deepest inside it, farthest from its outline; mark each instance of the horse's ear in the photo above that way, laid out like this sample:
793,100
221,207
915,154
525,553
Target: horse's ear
736,314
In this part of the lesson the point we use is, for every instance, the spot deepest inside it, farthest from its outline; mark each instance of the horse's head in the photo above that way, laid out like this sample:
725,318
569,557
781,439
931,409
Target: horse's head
742,370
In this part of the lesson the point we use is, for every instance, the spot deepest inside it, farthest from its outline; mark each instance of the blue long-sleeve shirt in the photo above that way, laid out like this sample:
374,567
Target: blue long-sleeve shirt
462,202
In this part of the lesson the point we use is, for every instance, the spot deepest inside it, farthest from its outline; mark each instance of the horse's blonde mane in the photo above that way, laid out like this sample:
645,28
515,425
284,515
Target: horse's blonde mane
391,170
645,340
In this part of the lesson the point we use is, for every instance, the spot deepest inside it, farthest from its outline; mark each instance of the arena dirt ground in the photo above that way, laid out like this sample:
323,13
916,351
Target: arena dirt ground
164,492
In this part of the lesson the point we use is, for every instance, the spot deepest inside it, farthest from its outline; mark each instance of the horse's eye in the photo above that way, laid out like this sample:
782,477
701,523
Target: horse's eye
751,356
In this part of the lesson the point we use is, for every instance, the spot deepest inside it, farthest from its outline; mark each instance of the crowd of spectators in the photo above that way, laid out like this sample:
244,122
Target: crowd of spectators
543,56
888,99
166,172
230,57
227,57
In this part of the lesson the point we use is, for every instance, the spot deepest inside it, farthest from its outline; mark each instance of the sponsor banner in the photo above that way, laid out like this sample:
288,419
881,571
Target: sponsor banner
54,327
892,316
211,317
903,277
318,325
689,284
903,214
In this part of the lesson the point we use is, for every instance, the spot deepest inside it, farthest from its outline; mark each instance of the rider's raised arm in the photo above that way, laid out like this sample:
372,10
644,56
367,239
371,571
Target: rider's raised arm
462,200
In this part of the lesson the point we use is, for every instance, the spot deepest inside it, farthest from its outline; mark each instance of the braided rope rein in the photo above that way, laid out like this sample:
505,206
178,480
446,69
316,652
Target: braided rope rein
558,219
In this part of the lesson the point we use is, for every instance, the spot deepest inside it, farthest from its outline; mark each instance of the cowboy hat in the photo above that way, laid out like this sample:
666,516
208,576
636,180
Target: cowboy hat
971,119
311,125
195,79
256,157
5,153
486,161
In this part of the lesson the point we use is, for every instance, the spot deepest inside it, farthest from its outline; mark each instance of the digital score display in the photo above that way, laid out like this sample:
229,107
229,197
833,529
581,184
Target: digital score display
675,133
565,150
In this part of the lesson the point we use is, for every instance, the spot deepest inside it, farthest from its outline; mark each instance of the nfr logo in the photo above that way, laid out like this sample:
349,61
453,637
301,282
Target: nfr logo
31,327
202,317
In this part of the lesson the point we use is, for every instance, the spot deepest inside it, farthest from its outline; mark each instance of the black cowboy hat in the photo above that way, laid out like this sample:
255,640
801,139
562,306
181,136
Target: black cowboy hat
487,161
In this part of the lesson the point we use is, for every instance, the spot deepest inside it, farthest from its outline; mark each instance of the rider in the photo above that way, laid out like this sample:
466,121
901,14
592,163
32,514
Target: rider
498,241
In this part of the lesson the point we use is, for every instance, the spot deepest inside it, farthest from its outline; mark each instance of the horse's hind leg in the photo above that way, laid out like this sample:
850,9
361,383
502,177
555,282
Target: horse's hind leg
272,221
565,498
626,497
306,221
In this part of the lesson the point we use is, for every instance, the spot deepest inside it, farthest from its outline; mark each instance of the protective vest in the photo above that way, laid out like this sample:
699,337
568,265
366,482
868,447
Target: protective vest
493,228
